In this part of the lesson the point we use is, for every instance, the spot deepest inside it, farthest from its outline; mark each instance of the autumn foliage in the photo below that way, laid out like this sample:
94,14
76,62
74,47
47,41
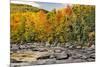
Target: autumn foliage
74,24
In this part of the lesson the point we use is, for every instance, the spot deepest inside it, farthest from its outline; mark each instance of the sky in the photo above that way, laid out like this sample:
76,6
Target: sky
42,5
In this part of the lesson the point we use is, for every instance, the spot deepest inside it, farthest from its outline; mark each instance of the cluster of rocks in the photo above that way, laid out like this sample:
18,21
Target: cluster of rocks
49,55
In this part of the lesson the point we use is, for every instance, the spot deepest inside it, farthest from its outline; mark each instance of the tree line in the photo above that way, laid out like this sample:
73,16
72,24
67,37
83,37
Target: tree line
73,24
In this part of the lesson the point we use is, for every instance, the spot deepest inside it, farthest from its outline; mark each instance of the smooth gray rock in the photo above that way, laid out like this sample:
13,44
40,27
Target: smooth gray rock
57,54
60,56
57,50
50,61
40,49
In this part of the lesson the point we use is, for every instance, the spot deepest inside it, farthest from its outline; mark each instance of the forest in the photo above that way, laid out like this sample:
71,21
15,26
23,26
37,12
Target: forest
72,24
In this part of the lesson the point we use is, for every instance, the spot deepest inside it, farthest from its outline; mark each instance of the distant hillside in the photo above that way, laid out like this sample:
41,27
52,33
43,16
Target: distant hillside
23,8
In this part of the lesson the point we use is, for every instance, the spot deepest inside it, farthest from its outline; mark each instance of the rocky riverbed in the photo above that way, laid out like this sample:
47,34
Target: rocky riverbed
26,55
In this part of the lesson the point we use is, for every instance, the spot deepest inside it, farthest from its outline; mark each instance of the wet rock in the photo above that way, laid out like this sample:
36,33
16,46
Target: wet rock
76,56
52,56
21,51
14,47
40,49
35,49
84,57
22,46
72,47
67,45
43,57
90,49
61,61
19,64
60,56
48,55
45,61
13,60
40,62
57,50
50,61
27,56
78,60
78,47
90,60
92,56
